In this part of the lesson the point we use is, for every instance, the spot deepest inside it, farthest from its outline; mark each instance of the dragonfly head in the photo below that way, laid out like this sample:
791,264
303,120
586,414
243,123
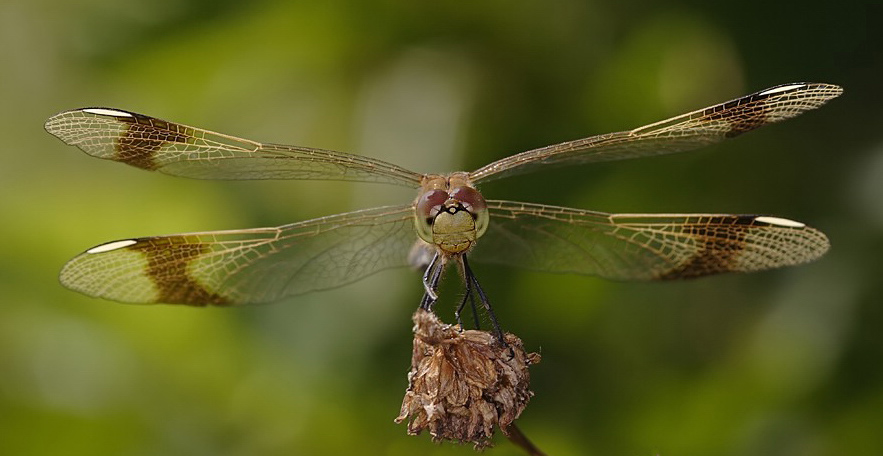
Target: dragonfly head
451,217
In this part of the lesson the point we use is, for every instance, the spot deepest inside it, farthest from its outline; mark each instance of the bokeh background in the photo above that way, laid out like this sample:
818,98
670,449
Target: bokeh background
786,362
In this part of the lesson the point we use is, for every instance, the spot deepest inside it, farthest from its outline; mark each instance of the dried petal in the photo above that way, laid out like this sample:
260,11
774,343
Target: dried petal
464,384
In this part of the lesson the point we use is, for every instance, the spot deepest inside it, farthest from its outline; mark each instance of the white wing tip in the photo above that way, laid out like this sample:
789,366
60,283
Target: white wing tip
106,112
778,221
110,246
782,88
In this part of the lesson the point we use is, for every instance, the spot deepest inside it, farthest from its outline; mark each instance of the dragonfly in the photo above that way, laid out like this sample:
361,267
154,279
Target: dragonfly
448,221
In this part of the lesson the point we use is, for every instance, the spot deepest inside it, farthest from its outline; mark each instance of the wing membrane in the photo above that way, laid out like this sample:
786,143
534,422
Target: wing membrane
682,133
642,246
245,266
157,145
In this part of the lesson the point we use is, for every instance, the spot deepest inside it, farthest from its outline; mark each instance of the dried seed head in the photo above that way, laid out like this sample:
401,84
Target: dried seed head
463,384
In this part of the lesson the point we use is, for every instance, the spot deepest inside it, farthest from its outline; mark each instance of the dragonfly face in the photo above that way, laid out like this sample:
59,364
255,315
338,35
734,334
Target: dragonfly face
450,213
449,220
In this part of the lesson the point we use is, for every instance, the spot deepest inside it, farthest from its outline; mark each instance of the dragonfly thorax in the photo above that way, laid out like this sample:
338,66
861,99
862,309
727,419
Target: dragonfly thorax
450,213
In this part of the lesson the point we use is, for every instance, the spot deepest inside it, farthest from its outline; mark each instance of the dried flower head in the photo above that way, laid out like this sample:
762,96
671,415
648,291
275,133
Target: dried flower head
463,384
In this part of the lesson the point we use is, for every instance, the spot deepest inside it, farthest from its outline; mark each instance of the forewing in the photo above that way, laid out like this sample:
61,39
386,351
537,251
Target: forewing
682,133
642,246
157,145
245,266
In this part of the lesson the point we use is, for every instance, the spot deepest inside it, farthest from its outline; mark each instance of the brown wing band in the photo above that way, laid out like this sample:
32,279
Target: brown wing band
167,269
722,239
144,137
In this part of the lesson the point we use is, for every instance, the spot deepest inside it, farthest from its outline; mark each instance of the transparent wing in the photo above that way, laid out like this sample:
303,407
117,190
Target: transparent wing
682,133
157,145
245,266
642,246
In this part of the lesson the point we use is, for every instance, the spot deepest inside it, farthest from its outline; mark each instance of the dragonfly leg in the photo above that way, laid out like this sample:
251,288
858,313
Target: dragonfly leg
467,296
474,312
427,287
470,277
431,278
470,296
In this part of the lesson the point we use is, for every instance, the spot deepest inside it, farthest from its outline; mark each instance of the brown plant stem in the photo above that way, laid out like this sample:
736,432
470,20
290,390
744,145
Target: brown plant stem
514,434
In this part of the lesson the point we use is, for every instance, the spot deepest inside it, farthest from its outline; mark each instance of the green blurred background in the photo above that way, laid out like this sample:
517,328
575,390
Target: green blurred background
786,362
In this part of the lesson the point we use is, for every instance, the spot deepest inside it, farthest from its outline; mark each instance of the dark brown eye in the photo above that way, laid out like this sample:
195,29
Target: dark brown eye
428,206
470,197
429,202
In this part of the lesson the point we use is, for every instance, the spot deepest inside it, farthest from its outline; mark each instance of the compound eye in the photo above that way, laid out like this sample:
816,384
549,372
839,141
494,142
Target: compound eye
428,206
430,202
473,202
470,197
